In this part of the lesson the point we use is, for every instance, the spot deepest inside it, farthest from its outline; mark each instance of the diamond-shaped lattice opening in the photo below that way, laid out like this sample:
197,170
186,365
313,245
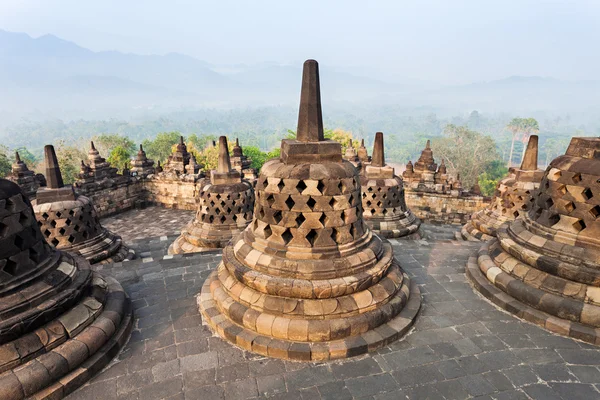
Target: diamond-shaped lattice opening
234,217
379,204
3,230
384,211
579,225
562,189
548,203
71,239
595,211
222,203
569,206
384,196
267,231
353,231
520,198
45,215
323,219
287,236
343,216
300,219
212,203
19,241
58,214
341,187
10,267
364,195
228,197
277,216
300,186
587,193
351,199
370,189
368,203
394,195
76,228
336,235
576,178
71,212
332,202
68,221
217,211
270,200
222,219
311,237
62,231
55,242
289,202
321,187
310,203
53,223
218,196
229,210
516,214
553,219
211,218
281,185
379,188
47,233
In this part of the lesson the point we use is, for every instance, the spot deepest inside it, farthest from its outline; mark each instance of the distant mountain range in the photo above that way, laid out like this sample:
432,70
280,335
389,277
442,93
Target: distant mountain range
53,75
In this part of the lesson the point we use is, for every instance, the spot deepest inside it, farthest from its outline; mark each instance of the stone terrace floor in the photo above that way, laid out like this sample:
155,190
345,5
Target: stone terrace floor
461,345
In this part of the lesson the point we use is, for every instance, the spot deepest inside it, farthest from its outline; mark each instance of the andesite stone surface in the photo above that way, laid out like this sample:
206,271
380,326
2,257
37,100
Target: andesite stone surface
225,204
308,280
545,267
141,165
384,206
69,221
513,197
242,163
22,176
60,322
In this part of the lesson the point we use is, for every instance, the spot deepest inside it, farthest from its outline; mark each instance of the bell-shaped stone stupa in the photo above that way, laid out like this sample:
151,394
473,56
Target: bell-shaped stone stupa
545,268
225,204
242,163
513,198
142,165
308,280
69,221
22,176
60,322
383,200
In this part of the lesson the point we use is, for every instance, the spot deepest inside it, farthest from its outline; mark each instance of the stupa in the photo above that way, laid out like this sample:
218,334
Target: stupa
352,156
178,160
98,174
142,165
69,221
225,204
308,280
383,200
22,176
362,153
512,199
242,163
60,322
545,267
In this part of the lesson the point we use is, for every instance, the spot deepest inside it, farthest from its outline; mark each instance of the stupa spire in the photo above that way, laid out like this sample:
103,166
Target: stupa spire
17,157
530,158
378,157
53,174
310,117
224,164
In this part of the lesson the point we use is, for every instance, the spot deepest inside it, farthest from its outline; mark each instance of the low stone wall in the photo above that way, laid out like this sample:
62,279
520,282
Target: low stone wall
171,193
115,200
444,208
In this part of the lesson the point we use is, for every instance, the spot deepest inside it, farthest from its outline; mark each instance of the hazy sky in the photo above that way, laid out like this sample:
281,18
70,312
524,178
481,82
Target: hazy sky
444,41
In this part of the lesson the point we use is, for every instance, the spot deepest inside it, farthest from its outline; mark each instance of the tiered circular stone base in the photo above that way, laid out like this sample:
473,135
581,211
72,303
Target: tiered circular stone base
395,230
222,322
104,249
76,325
482,226
553,294
200,237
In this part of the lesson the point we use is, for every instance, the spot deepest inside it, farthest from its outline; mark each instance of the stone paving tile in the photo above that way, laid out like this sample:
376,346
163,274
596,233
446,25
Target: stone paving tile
460,347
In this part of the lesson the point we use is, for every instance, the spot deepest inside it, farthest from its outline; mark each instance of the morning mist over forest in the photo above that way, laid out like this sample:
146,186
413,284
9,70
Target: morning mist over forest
72,70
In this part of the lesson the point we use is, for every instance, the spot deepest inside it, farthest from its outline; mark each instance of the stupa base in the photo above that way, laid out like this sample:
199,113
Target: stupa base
269,346
95,333
519,298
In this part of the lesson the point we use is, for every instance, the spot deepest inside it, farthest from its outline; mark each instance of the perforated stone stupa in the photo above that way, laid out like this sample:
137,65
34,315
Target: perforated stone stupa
352,156
242,163
545,268
425,175
225,204
383,200
513,197
60,322
69,221
22,176
308,280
